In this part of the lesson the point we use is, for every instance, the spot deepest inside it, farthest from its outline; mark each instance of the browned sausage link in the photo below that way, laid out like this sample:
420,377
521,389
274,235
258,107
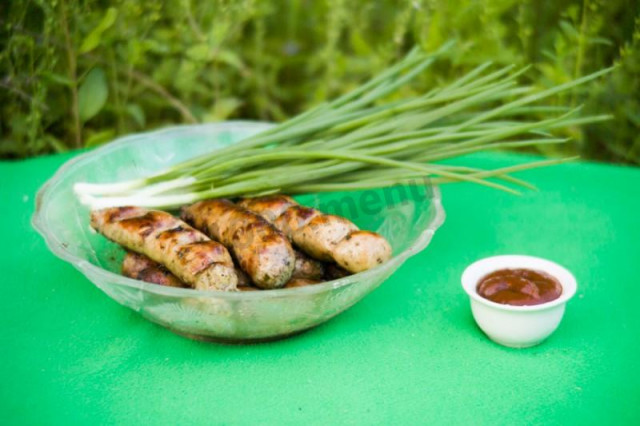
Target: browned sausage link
326,237
293,282
307,267
361,250
247,288
301,282
134,263
140,267
334,272
261,250
186,252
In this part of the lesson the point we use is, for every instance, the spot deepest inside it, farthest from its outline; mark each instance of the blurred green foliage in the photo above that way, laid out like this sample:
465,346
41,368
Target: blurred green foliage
79,73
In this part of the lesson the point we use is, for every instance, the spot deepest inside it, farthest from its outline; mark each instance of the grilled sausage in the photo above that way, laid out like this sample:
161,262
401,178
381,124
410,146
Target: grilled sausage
190,255
260,249
140,267
247,288
300,282
334,272
307,267
361,250
322,236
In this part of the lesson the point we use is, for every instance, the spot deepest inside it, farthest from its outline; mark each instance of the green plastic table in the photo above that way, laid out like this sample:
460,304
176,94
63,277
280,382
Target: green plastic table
408,353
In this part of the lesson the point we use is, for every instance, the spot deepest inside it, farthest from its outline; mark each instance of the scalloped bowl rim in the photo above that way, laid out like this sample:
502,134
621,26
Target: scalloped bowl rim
88,269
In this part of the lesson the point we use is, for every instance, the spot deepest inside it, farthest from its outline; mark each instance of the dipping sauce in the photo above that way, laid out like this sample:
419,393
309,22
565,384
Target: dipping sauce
519,287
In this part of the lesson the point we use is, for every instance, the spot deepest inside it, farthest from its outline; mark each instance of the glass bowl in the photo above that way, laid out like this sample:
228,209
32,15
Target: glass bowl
407,216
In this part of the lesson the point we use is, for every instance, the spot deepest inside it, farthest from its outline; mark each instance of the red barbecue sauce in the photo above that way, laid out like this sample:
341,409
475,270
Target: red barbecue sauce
519,287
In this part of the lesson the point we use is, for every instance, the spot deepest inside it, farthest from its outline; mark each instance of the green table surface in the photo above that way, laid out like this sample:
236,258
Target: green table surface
408,353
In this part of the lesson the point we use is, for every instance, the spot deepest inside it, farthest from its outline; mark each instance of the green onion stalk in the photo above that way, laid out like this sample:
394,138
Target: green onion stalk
363,140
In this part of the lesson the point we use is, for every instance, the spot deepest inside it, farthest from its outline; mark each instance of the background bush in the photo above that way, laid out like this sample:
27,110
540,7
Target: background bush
78,73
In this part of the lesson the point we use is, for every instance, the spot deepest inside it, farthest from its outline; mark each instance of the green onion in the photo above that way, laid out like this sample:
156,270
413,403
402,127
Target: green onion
364,140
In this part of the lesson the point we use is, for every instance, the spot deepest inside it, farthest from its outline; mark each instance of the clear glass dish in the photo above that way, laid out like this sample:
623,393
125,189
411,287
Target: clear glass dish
407,216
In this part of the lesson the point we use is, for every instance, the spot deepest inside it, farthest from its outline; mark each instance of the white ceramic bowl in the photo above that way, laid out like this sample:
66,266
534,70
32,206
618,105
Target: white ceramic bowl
517,326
